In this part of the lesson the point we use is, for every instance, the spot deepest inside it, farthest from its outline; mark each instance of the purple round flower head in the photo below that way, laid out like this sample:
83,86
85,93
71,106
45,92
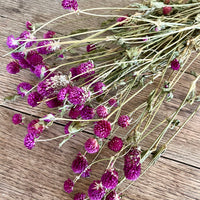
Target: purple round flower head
43,89
34,98
34,128
74,73
63,92
27,35
76,96
98,87
70,4
86,173
110,179
23,88
49,34
79,164
68,185
29,25
84,69
102,129
18,55
123,121
53,102
79,196
75,111
175,65
115,144
87,112
43,49
96,191
24,64
132,158
113,102
102,111
41,71
122,19
92,145
132,172
13,67
34,58
29,142
90,47
113,196
12,42
67,127
17,119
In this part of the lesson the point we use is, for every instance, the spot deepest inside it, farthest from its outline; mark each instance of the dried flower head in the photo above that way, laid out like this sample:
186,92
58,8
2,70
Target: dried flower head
92,145
29,141
87,112
79,164
34,98
110,179
68,185
102,129
175,65
115,144
23,88
70,4
123,121
13,67
113,196
96,191
79,196
17,119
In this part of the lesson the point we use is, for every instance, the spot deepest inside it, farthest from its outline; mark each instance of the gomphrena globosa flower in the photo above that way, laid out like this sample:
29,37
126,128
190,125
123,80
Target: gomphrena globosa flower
99,87
79,196
68,185
17,119
70,4
87,112
102,129
115,144
175,65
113,196
35,128
13,67
23,88
34,99
75,111
102,111
92,145
79,164
123,121
110,179
96,190
29,141
85,69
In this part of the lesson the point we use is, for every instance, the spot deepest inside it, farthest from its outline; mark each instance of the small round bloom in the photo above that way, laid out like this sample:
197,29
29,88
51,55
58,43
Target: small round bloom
17,119
29,25
102,129
87,112
34,128
115,144
167,10
79,164
84,69
175,65
68,185
34,98
102,111
86,173
96,191
24,63
49,34
67,127
44,47
132,172
98,87
91,47
23,88
53,102
92,145
122,20
12,42
63,93
43,89
29,141
113,196
41,71
75,111
113,102
79,196
27,35
70,4
110,179
33,58
13,67
132,158
18,55
123,121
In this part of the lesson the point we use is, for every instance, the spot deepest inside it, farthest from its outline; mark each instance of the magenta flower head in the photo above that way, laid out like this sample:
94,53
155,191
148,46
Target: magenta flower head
43,88
96,191
13,67
67,127
85,69
79,164
29,25
34,98
99,87
24,63
17,119
77,96
53,102
34,128
123,121
91,47
86,173
92,145
113,102
175,65
110,179
18,55
132,173
102,111
75,112
27,35
87,112
68,185
113,196
79,196
102,129
23,88
63,93
70,4
122,20
115,144
167,10
49,34
12,42
41,71
33,58
44,47
29,141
